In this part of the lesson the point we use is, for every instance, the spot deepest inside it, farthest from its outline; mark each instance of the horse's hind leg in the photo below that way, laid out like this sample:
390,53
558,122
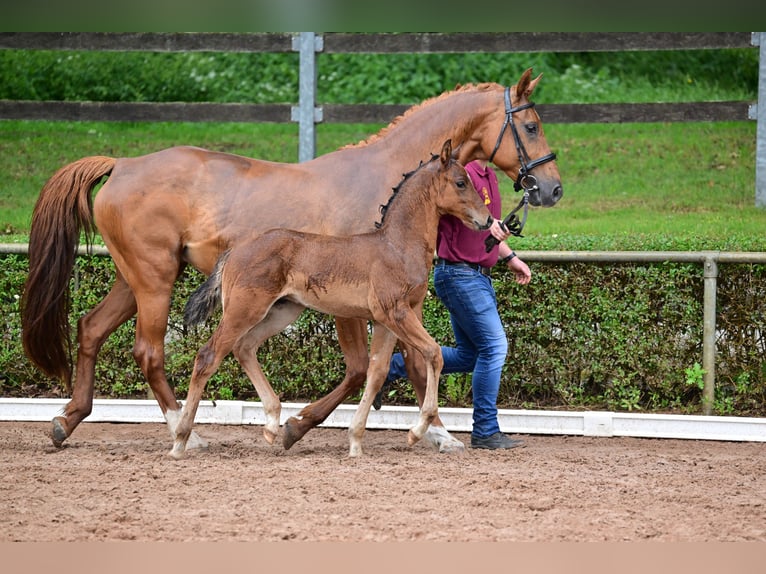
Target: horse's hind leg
149,353
280,316
352,336
92,330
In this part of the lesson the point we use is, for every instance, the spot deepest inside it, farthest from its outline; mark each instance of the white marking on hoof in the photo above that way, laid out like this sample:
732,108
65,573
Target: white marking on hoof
194,441
177,452
440,439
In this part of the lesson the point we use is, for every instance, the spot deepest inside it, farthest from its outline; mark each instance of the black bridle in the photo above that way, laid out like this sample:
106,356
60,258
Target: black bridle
525,180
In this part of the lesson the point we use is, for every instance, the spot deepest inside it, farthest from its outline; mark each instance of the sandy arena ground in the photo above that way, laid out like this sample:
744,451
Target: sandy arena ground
115,482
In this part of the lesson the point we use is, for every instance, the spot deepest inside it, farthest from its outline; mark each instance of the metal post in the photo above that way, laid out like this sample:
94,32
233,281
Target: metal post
708,335
759,39
306,113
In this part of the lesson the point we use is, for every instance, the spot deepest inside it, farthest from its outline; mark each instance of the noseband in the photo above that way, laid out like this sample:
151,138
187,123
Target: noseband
525,179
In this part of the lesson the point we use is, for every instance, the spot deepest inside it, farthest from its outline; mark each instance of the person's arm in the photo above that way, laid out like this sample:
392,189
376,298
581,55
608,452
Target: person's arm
507,256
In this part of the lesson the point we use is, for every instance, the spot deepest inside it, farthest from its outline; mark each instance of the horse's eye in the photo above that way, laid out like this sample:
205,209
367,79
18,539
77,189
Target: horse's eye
531,128
460,184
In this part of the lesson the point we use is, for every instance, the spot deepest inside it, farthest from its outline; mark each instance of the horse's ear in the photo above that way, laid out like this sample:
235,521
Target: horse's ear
446,154
456,151
526,84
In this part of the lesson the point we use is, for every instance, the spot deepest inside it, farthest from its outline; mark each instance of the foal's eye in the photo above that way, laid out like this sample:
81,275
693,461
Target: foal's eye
460,183
531,128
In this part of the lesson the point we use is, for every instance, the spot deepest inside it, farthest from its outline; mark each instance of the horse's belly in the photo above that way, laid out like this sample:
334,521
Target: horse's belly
339,302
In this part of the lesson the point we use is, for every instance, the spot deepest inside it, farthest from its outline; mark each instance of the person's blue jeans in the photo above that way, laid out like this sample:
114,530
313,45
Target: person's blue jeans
481,343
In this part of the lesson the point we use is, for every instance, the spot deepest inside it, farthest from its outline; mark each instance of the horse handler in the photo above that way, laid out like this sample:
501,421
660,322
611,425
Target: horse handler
463,284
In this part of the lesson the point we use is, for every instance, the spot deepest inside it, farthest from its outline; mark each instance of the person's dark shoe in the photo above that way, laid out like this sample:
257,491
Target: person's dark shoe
495,441
377,402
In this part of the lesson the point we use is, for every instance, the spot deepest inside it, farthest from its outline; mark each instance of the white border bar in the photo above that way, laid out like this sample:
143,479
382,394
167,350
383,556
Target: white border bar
585,423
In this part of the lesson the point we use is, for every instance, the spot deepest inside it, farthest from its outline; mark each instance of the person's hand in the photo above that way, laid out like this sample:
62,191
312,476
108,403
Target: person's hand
521,271
499,231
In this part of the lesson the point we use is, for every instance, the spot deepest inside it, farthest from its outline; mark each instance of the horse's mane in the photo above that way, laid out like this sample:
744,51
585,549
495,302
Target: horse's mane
414,109
405,178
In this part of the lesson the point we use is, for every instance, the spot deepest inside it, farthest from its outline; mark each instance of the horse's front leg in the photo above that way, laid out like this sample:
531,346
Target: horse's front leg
381,347
437,435
411,332
352,337
430,404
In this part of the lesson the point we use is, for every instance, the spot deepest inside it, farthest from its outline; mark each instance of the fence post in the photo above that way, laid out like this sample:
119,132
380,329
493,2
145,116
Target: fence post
708,334
759,39
306,113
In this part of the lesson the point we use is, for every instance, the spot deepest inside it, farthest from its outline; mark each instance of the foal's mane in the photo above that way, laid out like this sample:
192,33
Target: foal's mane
405,178
484,87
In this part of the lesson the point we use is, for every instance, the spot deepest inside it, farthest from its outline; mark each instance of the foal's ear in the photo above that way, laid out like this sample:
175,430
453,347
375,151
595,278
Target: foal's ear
446,154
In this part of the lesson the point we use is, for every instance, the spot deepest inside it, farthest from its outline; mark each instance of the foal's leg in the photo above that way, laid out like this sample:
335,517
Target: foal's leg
245,351
92,330
411,332
437,436
242,311
381,347
207,361
352,337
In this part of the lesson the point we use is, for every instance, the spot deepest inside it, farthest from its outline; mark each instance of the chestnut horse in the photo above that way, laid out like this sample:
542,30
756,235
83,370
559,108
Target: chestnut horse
380,276
184,206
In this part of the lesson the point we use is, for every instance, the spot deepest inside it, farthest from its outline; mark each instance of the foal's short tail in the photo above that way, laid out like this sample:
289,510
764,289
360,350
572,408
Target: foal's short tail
207,298
63,211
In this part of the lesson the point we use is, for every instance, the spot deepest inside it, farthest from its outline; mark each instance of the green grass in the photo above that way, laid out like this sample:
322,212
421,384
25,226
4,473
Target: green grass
627,186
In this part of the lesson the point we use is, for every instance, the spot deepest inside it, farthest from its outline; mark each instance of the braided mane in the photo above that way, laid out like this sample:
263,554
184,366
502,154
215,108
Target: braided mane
405,177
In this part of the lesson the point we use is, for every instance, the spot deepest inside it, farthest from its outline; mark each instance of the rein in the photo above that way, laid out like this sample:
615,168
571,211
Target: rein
525,179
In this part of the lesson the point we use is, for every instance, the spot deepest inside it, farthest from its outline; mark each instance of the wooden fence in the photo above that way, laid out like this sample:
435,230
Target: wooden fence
307,113
369,43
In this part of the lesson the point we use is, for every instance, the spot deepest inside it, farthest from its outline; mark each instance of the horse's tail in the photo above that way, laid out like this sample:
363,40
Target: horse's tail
63,211
207,298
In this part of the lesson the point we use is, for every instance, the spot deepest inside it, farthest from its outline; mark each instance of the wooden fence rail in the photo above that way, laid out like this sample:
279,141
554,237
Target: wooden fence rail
307,114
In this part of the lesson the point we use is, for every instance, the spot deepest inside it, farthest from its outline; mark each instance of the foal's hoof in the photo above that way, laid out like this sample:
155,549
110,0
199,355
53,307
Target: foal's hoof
291,433
58,432
269,436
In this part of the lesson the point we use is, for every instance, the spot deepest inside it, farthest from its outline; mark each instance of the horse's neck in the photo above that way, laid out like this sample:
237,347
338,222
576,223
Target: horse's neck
424,130
412,221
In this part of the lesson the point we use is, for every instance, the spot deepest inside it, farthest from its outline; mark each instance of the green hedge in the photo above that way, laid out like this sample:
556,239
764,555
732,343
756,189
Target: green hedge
582,336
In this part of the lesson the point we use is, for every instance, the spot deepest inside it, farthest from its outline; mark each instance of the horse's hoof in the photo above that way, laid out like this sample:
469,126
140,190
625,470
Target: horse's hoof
454,447
441,440
58,432
269,436
196,442
177,452
292,433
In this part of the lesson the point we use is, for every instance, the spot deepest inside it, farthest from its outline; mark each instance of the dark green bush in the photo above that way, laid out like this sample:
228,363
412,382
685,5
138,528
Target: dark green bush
582,336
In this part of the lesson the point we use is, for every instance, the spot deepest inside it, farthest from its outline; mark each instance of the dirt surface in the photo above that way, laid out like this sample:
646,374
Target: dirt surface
115,482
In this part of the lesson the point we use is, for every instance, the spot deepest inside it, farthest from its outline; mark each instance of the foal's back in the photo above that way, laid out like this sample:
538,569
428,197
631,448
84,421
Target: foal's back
342,276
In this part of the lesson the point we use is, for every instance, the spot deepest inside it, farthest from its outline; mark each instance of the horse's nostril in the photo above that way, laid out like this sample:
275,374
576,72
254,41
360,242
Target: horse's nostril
557,192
